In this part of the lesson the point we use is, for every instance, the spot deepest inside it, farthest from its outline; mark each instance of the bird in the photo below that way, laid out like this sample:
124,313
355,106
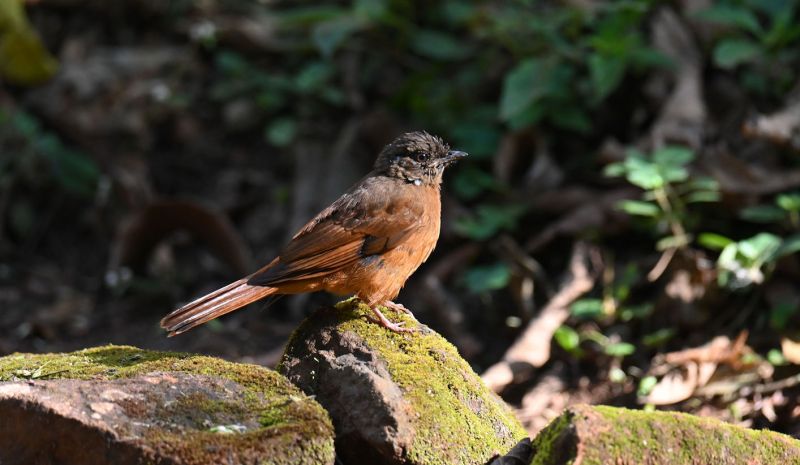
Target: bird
367,243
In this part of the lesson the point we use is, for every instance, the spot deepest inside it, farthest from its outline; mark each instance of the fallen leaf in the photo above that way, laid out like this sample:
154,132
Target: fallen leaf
791,350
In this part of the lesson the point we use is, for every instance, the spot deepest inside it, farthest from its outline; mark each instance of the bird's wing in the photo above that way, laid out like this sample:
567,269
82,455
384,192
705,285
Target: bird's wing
369,220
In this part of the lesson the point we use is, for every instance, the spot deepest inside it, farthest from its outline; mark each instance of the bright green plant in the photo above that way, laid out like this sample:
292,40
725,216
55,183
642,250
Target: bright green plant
570,339
668,190
614,305
748,261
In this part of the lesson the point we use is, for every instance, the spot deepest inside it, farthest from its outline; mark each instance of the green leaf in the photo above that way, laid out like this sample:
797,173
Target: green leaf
760,247
630,312
639,208
281,132
673,156
659,337
619,349
521,87
642,172
567,338
439,46
481,279
763,214
727,258
730,15
730,53
329,35
645,175
587,308
646,385
776,358
789,202
674,174
614,170
617,375
702,183
606,73
713,241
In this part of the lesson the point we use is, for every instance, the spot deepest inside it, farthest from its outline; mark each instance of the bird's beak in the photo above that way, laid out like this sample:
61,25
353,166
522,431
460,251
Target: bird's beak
453,156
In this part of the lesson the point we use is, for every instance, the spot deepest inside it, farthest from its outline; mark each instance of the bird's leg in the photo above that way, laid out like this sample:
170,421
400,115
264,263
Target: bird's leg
398,308
383,321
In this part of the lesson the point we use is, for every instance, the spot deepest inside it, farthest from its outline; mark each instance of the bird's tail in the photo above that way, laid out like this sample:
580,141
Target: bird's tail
224,300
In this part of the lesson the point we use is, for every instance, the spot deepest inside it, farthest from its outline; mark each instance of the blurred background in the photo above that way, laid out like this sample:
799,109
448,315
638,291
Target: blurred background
632,194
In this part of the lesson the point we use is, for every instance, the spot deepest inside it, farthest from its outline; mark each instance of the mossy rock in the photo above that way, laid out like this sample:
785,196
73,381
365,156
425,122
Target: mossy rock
597,435
123,405
397,397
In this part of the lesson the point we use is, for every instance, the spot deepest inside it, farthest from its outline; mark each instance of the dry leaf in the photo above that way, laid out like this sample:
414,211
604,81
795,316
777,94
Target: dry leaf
791,350
675,386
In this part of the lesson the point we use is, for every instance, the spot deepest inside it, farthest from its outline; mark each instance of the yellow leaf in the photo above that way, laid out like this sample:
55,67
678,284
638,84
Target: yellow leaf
23,58
12,15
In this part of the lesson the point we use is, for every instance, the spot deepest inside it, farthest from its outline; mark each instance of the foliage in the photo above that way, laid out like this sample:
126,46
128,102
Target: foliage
571,47
668,191
761,38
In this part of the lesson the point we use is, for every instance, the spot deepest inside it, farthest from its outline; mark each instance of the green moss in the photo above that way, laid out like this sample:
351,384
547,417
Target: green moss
618,435
286,415
458,420
546,442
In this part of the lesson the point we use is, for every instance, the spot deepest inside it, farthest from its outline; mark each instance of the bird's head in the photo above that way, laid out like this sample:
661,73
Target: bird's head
417,157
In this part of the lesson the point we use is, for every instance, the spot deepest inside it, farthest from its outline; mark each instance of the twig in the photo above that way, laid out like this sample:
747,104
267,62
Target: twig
661,265
784,383
532,348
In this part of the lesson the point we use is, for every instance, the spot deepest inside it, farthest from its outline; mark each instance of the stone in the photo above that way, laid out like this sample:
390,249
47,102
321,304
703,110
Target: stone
596,435
122,405
397,397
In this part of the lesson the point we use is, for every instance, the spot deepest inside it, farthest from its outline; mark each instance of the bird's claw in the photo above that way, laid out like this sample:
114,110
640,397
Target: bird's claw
386,323
398,308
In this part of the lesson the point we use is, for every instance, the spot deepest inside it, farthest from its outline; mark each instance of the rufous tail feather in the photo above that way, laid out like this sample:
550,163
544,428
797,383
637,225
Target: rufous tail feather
224,300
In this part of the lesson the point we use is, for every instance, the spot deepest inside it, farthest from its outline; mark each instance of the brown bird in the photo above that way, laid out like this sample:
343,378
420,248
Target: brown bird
367,243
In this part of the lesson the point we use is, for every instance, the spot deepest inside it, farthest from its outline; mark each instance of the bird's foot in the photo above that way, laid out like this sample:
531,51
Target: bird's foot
386,323
398,308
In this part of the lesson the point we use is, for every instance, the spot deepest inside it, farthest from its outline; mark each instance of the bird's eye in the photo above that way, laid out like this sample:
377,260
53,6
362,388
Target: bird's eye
421,156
